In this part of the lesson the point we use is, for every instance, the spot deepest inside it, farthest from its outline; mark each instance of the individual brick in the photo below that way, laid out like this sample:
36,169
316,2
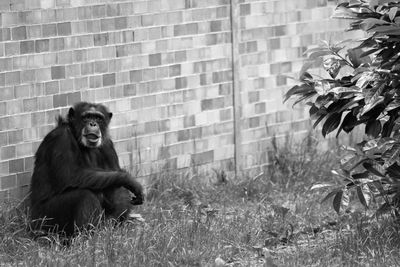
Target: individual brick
223,12
96,81
185,29
16,165
7,182
5,122
113,10
47,4
52,88
73,98
48,15
64,28
49,30
23,180
5,34
21,91
225,114
78,27
121,23
202,158
30,104
87,68
60,100
260,108
63,3
79,55
7,152
99,11
15,137
155,59
56,44
107,24
27,47
101,66
151,127
93,26
108,52
12,48
215,26
72,70
18,33
126,9
85,12
136,75
13,78
209,104
42,45
66,85
254,122
180,83
27,76
100,39
180,56
43,74
29,163
175,70
3,111
81,83
57,72
108,79
244,9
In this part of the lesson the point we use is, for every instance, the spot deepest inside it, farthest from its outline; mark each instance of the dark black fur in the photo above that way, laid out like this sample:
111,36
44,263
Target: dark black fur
72,184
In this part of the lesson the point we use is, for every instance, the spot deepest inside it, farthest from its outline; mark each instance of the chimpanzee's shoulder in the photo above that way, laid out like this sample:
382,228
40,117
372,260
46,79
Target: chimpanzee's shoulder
61,133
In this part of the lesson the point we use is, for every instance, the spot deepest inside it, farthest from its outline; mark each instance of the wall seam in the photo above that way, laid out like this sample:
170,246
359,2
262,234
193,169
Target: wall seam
235,34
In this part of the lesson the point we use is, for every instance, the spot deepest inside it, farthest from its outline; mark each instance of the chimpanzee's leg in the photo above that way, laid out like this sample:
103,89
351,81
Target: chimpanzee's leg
117,203
62,213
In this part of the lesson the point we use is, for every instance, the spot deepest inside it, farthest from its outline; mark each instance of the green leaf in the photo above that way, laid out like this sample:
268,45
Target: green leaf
392,13
320,186
341,199
365,79
322,87
299,90
341,89
369,23
373,128
330,195
372,104
361,175
364,195
387,30
331,123
368,166
391,155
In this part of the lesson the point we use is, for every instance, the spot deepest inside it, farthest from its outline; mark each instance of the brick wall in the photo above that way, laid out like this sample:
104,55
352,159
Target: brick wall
272,39
164,68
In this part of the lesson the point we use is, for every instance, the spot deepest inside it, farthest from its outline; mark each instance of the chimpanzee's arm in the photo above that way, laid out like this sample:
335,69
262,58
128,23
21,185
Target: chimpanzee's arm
63,154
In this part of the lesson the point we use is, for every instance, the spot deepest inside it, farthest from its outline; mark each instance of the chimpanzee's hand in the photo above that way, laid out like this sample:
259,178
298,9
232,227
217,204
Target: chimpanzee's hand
137,200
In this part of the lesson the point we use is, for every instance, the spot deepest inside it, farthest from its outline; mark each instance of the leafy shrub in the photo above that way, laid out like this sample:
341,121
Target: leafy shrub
360,86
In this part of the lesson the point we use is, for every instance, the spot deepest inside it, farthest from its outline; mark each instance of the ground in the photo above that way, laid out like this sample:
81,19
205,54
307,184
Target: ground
272,219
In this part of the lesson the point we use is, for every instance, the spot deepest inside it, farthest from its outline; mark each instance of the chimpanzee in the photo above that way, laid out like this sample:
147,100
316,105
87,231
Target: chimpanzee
77,177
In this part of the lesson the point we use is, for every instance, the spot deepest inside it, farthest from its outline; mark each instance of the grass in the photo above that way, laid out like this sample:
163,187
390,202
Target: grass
268,220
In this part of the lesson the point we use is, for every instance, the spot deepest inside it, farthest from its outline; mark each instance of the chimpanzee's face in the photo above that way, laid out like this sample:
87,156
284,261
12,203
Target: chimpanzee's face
90,122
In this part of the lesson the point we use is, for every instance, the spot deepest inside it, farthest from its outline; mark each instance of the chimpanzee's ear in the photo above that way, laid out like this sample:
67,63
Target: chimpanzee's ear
110,115
71,114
